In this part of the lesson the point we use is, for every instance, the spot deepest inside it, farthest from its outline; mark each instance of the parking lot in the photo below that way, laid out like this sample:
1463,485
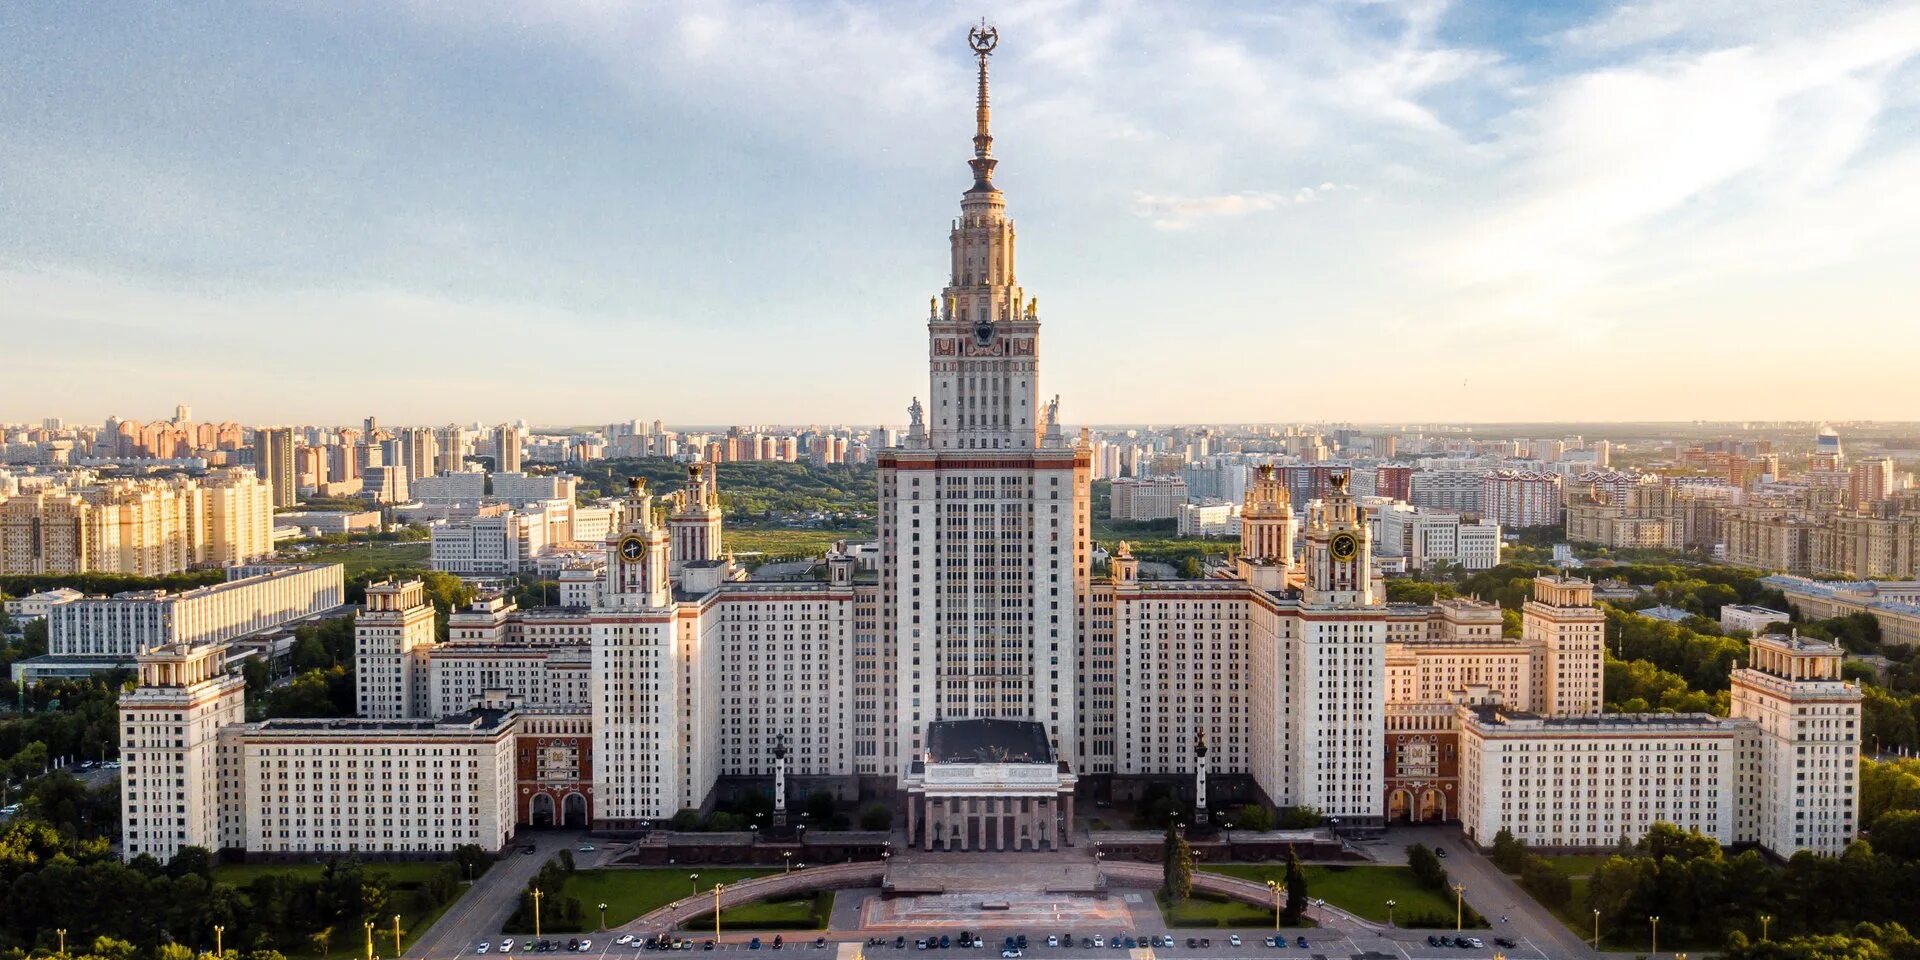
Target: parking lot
1213,945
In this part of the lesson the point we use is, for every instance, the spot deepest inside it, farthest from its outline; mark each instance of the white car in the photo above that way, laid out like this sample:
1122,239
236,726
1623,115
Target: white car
483,947
625,939
1009,954
1052,940
506,945
586,848
1475,943
586,945
1235,939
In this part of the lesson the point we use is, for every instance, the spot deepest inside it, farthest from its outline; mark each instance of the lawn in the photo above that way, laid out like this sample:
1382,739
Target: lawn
807,913
780,542
359,558
1201,910
630,893
1363,890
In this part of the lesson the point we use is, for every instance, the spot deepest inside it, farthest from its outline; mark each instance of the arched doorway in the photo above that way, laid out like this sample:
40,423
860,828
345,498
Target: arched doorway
1400,805
540,810
1433,806
574,808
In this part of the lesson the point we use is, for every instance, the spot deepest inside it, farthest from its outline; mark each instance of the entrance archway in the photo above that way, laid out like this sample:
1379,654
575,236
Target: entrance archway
574,808
1433,806
540,810
1400,805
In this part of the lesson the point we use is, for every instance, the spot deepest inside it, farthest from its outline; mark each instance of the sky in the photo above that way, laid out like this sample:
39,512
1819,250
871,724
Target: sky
735,212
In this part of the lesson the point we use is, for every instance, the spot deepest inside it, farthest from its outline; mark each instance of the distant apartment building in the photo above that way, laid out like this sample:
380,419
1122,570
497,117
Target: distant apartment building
1208,519
506,448
1444,489
142,527
1148,498
1517,499
1424,537
273,459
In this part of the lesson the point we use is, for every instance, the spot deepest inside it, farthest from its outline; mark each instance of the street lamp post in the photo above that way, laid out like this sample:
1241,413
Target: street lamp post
537,896
603,913
1459,906
1765,918
1596,928
1390,905
368,925
1273,889
1655,922
219,943
62,932
716,909
396,936
788,856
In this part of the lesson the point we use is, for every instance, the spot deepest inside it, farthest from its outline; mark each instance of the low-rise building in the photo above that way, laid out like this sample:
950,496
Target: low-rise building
1752,619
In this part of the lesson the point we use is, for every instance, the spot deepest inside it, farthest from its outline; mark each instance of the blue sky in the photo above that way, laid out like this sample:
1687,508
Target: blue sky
735,212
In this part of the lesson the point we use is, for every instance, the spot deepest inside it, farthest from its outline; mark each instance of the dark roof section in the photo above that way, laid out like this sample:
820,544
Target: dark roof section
988,740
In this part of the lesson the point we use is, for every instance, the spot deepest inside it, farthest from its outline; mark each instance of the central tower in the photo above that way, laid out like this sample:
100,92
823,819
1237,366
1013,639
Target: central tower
983,334
983,510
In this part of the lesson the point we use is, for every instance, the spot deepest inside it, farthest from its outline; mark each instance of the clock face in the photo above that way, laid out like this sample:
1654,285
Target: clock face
983,333
632,548
1344,546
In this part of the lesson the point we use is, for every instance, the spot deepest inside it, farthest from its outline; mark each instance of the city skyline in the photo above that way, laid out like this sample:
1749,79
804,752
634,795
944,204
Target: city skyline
558,195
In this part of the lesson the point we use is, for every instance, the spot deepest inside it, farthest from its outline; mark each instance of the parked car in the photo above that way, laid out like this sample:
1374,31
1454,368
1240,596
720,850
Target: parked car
1234,940
1099,941
587,848
586,944
1009,953
1206,942
1504,942
625,939
1440,852
753,944
819,942
899,943
483,947
506,945
1300,942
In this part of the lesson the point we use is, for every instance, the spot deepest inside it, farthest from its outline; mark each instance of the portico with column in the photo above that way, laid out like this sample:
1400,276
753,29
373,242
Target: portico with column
989,785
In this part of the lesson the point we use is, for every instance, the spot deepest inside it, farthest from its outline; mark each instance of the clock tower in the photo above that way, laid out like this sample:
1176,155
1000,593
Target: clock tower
1339,550
637,555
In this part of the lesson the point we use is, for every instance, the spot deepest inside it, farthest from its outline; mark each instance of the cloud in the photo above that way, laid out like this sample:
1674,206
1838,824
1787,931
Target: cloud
1183,213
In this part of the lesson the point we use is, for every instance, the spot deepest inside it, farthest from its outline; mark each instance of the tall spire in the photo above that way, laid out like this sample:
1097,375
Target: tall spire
982,39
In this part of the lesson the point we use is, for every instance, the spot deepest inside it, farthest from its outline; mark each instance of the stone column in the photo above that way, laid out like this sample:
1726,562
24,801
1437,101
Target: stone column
1070,830
933,823
911,820
993,820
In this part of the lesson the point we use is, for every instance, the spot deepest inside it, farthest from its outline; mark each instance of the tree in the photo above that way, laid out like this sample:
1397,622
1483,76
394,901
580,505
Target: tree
1548,885
876,816
1178,872
820,805
191,862
1299,818
1426,867
1253,816
1296,890
1509,854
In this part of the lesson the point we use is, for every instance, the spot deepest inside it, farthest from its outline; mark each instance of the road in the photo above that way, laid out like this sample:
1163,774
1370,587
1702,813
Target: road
479,915
1508,908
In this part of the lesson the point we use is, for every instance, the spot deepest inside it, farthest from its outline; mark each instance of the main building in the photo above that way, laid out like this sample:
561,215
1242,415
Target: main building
984,675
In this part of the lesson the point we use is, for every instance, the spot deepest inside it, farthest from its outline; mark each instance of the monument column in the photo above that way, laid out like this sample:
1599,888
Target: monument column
1200,778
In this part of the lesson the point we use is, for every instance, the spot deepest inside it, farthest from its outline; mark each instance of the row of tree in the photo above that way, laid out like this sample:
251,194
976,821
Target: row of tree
57,880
